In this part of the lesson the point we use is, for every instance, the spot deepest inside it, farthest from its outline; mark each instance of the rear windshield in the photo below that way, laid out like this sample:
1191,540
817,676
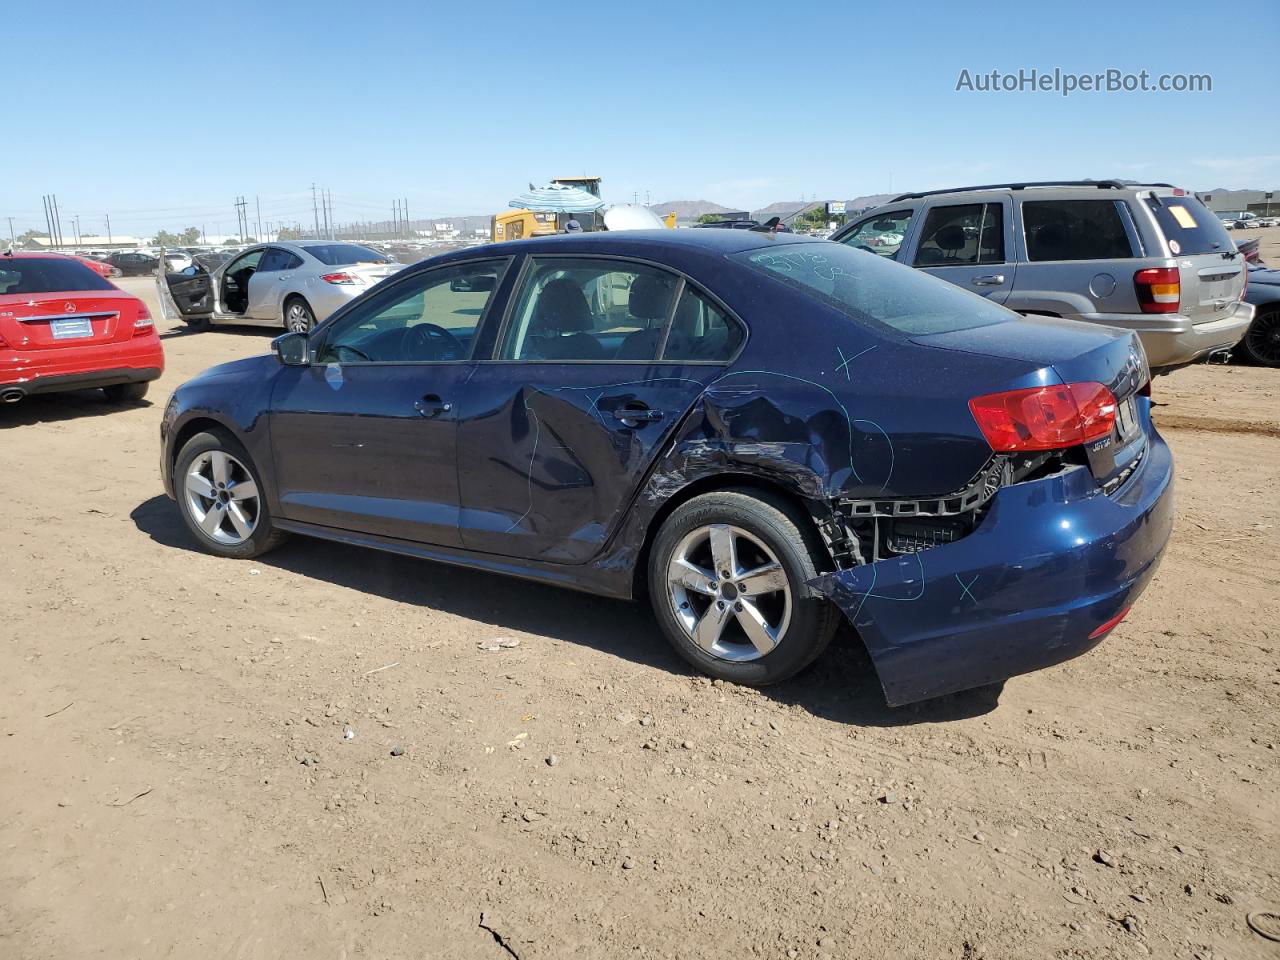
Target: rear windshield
337,254
874,291
1189,227
38,275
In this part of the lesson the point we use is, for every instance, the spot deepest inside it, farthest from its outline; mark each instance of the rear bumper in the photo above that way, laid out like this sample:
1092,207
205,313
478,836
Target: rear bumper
1172,340
82,368
1051,563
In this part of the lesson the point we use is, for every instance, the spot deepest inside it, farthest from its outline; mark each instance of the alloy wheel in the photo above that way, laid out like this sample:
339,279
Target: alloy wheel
222,497
1263,338
297,318
729,592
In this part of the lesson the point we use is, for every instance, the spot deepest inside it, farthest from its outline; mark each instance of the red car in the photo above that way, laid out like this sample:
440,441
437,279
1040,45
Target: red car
64,327
99,267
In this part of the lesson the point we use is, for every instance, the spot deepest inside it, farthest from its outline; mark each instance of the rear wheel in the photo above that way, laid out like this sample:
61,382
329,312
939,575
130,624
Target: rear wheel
126,392
220,495
298,317
727,577
1261,341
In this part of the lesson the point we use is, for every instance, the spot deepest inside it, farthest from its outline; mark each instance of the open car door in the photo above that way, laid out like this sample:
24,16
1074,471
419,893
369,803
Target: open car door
185,296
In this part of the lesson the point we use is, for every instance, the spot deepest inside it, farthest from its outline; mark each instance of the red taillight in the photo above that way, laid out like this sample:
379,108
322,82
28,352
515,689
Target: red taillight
1159,289
1110,624
1045,418
142,322
340,278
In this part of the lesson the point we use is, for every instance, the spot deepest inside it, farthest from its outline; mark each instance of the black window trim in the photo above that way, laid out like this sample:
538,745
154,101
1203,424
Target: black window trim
685,281
321,334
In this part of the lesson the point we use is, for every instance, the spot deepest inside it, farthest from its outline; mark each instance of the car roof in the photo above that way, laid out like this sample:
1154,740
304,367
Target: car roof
635,242
1097,188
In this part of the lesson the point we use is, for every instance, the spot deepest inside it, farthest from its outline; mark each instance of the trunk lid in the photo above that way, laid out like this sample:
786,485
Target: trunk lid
371,273
1077,353
45,321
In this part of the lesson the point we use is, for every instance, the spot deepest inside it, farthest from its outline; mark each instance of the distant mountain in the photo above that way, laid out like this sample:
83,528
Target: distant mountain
686,210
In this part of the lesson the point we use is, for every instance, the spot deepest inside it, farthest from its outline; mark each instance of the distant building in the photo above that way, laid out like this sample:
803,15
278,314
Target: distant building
1233,201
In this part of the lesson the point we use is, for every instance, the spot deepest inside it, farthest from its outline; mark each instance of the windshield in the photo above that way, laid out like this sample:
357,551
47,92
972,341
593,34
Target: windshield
1189,227
338,254
38,275
874,291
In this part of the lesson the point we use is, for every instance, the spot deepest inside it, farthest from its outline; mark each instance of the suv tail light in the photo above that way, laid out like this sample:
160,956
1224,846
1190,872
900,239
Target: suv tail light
142,323
1045,418
1159,289
340,278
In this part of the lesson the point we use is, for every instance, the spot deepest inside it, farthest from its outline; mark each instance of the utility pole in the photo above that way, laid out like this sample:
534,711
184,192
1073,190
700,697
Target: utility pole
109,241
258,210
75,228
57,218
324,206
395,217
315,214
12,242
48,223
408,231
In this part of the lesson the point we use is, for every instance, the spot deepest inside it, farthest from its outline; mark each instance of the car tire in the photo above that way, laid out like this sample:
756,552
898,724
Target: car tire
126,392
767,533
1261,343
298,316
223,523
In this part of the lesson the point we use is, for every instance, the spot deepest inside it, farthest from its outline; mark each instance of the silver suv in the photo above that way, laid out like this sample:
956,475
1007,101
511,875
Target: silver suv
1148,258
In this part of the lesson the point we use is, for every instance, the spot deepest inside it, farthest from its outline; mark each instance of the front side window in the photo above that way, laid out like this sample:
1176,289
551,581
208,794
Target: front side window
963,234
876,293
882,234
1075,230
584,309
428,318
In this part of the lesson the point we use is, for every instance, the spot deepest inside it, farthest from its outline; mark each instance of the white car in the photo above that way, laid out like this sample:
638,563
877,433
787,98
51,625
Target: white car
294,284
176,261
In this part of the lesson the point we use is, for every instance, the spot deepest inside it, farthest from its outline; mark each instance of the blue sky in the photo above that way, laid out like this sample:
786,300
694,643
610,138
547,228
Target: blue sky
163,118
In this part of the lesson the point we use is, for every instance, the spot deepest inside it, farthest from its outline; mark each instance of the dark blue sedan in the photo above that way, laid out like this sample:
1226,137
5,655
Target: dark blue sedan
760,432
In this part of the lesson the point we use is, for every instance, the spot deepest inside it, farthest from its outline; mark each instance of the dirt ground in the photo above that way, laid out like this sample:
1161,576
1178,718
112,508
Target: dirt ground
175,781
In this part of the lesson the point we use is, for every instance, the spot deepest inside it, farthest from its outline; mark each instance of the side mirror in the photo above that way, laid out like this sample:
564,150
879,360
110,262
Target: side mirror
293,349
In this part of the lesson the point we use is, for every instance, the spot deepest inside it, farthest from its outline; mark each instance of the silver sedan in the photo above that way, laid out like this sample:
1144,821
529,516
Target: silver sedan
292,284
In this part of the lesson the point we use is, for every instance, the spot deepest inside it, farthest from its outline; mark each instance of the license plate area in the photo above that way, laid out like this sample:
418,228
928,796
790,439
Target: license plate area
1126,419
75,328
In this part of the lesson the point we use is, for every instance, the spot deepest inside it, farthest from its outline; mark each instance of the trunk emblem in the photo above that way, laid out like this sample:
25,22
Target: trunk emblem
69,307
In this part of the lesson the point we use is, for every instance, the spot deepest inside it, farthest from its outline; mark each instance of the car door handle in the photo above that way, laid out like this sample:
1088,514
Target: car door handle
635,416
432,406
990,280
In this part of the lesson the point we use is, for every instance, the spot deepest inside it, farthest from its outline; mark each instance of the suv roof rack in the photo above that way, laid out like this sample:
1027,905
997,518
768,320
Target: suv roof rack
1100,184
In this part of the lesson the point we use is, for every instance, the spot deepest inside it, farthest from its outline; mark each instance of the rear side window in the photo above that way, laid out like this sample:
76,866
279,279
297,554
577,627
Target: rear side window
873,291
701,332
962,235
339,254
1075,230
1189,227
22,275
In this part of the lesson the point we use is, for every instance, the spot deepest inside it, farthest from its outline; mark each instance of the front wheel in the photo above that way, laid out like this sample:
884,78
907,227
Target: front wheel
298,317
727,580
1261,341
220,495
